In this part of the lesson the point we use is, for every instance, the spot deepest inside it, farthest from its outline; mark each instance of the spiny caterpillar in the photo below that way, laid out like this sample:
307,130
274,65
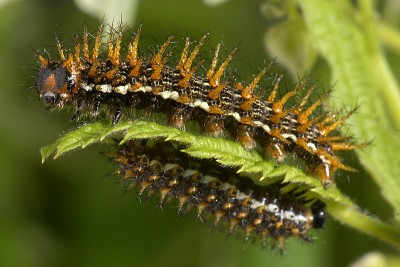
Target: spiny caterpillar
95,82
257,212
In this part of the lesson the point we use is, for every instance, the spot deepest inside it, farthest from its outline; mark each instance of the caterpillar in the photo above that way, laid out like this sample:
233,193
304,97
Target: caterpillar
94,82
236,202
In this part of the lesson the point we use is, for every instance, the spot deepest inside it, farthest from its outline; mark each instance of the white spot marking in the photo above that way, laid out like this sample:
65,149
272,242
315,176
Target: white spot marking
122,89
257,204
153,162
174,95
241,195
291,136
190,172
87,87
146,89
170,166
204,105
272,208
235,115
143,89
49,94
266,128
312,146
226,186
105,88
165,94
300,218
197,103
289,215
207,178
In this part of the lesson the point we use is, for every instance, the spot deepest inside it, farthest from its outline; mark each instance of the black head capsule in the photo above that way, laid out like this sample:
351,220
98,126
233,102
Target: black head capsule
319,213
52,82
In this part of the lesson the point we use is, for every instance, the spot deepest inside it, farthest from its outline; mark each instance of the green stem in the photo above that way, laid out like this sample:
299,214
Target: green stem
365,223
361,75
390,37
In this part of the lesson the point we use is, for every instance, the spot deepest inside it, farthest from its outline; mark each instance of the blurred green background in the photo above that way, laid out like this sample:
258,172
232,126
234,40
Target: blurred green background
69,212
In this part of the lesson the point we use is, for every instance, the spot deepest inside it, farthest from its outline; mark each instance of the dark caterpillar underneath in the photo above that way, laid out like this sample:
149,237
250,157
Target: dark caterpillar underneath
92,82
258,212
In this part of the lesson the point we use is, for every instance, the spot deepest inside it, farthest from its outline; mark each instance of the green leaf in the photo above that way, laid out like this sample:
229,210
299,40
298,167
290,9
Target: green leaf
291,42
230,154
361,75
82,137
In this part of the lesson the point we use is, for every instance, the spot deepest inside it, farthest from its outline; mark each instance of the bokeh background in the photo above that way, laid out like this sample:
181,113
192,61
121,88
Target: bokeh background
70,212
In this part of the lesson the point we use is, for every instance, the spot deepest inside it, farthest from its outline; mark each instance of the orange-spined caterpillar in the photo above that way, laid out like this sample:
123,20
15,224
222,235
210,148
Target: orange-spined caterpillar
235,202
95,82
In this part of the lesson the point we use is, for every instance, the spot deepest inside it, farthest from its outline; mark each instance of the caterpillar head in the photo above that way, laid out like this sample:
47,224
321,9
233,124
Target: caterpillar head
319,214
55,82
